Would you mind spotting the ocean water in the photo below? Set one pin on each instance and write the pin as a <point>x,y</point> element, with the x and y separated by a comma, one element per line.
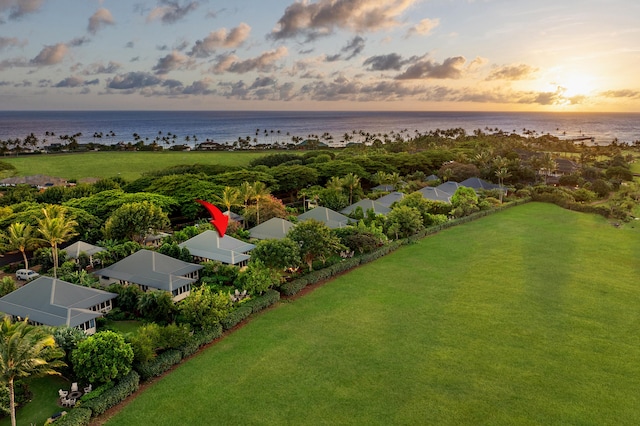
<point>228,126</point>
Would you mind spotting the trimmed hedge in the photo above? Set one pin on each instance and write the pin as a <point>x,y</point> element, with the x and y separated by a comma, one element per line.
<point>80,416</point>
<point>159,364</point>
<point>235,316</point>
<point>202,337</point>
<point>125,387</point>
<point>259,303</point>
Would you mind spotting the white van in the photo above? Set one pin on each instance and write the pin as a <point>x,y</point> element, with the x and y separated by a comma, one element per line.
<point>26,274</point>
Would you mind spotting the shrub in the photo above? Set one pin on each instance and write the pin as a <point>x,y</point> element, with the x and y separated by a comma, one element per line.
<point>159,364</point>
<point>125,387</point>
<point>80,416</point>
<point>202,337</point>
<point>235,316</point>
<point>259,303</point>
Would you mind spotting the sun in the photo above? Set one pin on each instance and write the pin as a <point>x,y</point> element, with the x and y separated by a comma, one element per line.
<point>577,85</point>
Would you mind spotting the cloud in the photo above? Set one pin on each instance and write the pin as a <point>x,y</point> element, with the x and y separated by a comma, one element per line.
<point>220,38</point>
<point>171,11</point>
<point>354,47</point>
<point>424,27</point>
<point>19,8</point>
<point>623,93</point>
<point>99,68</point>
<point>6,42</point>
<point>99,20</point>
<point>172,61</point>
<point>512,72</point>
<point>451,68</point>
<point>264,62</point>
<point>78,41</point>
<point>313,20</point>
<point>392,61</point>
<point>74,81</point>
<point>12,63</point>
<point>344,89</point>
<point>133,80</point>
<point>51,55</point>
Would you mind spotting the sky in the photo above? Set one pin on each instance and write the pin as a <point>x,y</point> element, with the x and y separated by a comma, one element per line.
<point>398,55</point>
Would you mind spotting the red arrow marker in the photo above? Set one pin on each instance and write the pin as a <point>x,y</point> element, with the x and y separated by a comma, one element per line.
<point>218,220</point>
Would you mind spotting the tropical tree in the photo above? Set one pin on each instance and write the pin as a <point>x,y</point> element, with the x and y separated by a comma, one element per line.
<point>55,228</point>
<point>230,197</point>
<point>351,182</point>
<point>203,308</point>
<point>103,357</point>
<point>7,285</point>
<point>135,220</point>
<point>502,174</point>
<point>404,221</point>
<point>277,254</point>
<point>25,351</point>
<point>246,193</point>
<point>315,241</point>
<point>260,192</point>
<point>20,236</point>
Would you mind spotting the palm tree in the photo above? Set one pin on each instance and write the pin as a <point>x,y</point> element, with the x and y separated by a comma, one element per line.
<point>260,191</point>
<point>502,174</point>
<point>230,197</point>
<point>55,228</point>
<point>246,193</point>
<point>19,236</point>
<point>25,351</point>
<point>351,181</point>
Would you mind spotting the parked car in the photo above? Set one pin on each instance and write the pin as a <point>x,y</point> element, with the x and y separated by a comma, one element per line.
<point>26,274</point>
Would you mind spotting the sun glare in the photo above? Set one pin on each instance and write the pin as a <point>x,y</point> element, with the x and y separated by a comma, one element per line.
<point>577,85</point>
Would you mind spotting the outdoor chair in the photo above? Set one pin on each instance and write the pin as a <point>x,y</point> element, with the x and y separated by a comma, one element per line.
<point>74,387</point>
<point>63,393</point>
<point>87,389</point>
<point>66,402</point>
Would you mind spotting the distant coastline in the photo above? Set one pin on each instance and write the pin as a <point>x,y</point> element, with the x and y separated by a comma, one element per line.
<point>269,126</point>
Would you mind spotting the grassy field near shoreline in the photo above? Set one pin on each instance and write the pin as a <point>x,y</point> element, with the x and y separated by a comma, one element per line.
<point>527,316</point>
<point>128,165</point>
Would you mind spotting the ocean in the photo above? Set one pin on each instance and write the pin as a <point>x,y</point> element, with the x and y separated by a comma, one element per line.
<point>281,126</point>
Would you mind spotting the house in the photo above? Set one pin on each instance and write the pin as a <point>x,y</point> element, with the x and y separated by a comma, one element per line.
<point>435,194</point>
<point>450,186</point>
<point>154,239</point>
<point>479,184</point>
<point>392,197</point>
<point>73,251</point>
<point>151,270</point>
<point>274,228</point>
<point>327,216</point>
<point>366,205</point>
<point>384,188</point>
<point>234,216</point>
<point>53,302</point>
<point>210,246</point>
<point>431,178</point>
<point>36,181</point>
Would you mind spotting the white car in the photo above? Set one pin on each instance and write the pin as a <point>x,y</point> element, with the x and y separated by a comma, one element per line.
<point>26,274</point>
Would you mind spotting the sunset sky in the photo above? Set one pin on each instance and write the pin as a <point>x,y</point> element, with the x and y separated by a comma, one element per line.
<point>466,55</point>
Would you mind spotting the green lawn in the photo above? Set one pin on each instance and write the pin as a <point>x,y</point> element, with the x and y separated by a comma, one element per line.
<point>128,165</point>
<point>45,401</point>
<point>528,316</point>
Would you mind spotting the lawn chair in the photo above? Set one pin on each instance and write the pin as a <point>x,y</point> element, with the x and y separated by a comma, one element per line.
<point>74,387</point>
<point>87,389</point>
<point>66,402</point>
<point>63,393</point>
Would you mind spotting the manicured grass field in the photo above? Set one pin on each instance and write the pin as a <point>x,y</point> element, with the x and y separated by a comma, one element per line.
<point>528,316</point>
<point>45,401</point>
<point>128,165</point>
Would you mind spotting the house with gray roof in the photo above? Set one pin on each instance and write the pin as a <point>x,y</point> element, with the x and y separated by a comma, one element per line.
<point>209,246</point>
<point>479,184</point>
<point>386,187</point>
<point>431,178</point>
<point>450,186</point>
<point>53,302</point>
<point>273,229</point>
<point>435,194</point>
<point>327,216</point>
<point>151,270</point>
<point>366,205</point>
<point>74,250</point>
<point>392,197</point>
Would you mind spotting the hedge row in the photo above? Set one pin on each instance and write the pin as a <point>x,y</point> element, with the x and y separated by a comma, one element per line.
<point>259,303</point>
<point>125,387</point>
<point>235,316</point>
<point>159,364</point>
<point>80,416</point>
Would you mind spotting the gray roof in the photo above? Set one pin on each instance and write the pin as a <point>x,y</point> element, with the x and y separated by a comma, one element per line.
<point>74,250</point>
<point>153,269</point>
<point>450,186</point>
<point>431,177</point>
<point>327,216</point>
<point>477,183</point>
<point>209,245</point>
<point>54,302</point>
<point>234,216</point>
<point>390,198</point>
<point>274,228</point>
<point>435,194</point>
<point>366,204</point>
<point>384,187</point>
